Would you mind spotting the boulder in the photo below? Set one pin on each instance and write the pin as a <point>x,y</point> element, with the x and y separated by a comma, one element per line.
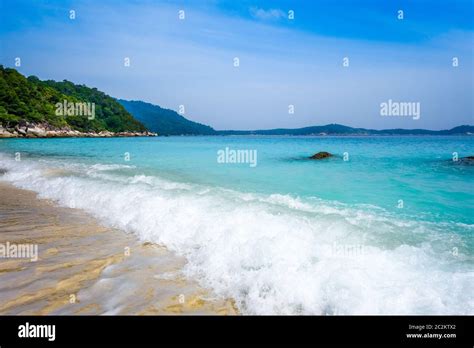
<point>36,131</point>
<point>5,133</point>
<point>321,155</point>
<point>106,134</point>
<point>53,134</point>
<point>21,130</point>
<point>468,160</point>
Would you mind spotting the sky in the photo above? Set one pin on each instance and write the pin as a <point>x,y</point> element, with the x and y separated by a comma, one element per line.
<point>333,61</point>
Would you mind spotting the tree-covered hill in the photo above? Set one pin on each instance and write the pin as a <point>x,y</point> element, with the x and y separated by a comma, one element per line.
<point>32,100</point>
<point>164,121</point>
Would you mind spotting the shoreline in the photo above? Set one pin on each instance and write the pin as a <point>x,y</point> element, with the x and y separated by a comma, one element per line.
<point>85,268</point>
<point>33,130</point>
<point>44,130</point>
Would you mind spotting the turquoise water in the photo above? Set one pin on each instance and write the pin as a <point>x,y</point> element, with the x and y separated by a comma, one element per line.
<point>288,235</point>
<point>379,171</point>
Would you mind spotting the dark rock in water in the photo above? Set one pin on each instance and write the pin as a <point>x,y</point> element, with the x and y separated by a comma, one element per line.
<point>466,160</point>
<point>321,155</point>
<point>3,171</point>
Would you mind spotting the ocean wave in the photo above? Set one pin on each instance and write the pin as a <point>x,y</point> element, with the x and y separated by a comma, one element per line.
<point>276,254</point>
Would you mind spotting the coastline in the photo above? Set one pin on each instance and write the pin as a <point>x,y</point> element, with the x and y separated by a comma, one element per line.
<point>43,130</point>
<point>85,268</point>
<point>32,130</point>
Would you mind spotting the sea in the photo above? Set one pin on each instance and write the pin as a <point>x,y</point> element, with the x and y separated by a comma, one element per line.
<point>384,226</point>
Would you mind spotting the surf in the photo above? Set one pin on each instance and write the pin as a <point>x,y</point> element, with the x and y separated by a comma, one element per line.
<point>274,254</point>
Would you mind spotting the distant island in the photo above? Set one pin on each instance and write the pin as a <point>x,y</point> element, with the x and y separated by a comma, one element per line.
<point>30,107</point>
<point>169,122</point>
<point>337,129</point>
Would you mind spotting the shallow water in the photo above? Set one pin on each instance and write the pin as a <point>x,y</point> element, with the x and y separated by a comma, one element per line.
<point>387,231</point>
<point>83,268</point>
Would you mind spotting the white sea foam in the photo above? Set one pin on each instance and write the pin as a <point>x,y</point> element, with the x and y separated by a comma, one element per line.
<point>275,254</point>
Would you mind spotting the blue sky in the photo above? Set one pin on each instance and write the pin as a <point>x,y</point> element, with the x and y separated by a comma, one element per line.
<point>282,61</point>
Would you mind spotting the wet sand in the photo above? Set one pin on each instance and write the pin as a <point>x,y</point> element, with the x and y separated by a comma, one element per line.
<point>86,268</point>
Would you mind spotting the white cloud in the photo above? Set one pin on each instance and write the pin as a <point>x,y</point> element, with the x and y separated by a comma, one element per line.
<point>269,14</point>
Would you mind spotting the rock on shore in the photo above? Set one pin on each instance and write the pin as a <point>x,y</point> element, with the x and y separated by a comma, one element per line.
<point>42,130</point>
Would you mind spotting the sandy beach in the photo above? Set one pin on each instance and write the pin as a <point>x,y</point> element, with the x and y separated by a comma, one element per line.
<point>85,268</point>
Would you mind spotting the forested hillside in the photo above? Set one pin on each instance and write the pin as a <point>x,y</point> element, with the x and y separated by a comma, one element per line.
<point>164,121</point>
<point>32,100</point>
